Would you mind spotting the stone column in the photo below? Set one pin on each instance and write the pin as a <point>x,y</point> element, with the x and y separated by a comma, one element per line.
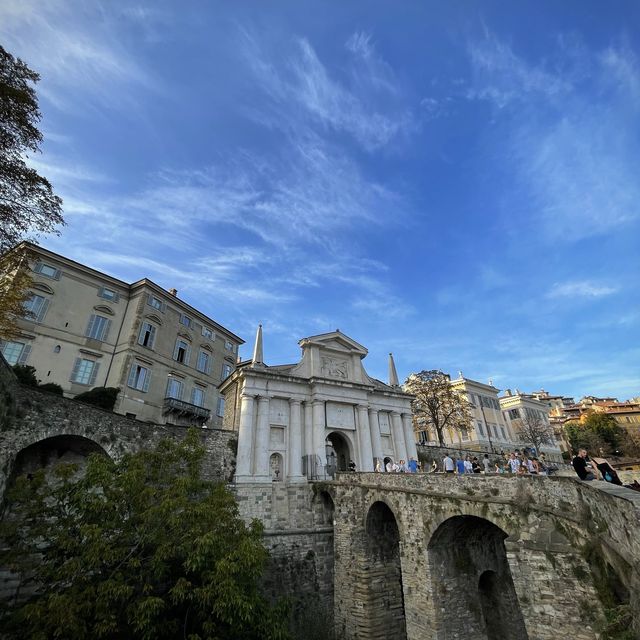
<point>399,447</point>
<point>262,441</point>
<point>409,436</point>
<point>376,440</point>
<point>364,438</point>
<point>308,429</point>
<point>244,456</point>
<point>294,466</point>
<point>318,435</point>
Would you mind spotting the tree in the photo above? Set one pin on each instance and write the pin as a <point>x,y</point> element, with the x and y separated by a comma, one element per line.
<point>595,432</point>
<point>143,548</point>
<point>27,201</point>
<point>533,430</point>
<point>436,405</point>
<point>103,397</point>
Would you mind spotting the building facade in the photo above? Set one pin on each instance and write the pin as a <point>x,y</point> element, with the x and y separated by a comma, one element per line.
<point>305,421</point>
<point>523,410</point>
<point>87,329</point>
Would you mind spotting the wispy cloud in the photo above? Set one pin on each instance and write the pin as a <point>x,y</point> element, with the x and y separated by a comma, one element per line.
<point>571,131</point>
<point>580,289</point>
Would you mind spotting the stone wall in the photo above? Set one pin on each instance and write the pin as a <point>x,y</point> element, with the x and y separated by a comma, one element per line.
<point>41,415</point>
<point>548,525</point>
<point>298,521</point>
<point>8,384</point>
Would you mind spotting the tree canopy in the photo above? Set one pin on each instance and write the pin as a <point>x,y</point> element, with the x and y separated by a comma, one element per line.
<point>436,406</point>
<point>142,548</point>
<point>595,432</point>
<point>533,430</point>
<point>27,201</point>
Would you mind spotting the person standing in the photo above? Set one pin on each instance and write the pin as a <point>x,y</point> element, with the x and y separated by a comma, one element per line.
<point>581,466</point>
<point>514,463</point>
<point>460,466</point>
<point>448,464</point>
<point>485,463</point>
<point>413,465</point>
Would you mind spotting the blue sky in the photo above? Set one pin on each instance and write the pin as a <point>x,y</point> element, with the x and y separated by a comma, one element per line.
<point>455,182</point>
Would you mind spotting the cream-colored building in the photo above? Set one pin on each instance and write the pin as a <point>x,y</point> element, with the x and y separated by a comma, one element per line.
<point>305,421</point>
<point>88,329</point>
<point>518,407</point>
<point>488,430</point>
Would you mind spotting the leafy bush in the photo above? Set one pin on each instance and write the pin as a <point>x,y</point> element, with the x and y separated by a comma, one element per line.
<point>51,387</point>
<point>26,374</point>
<point>103,397</point>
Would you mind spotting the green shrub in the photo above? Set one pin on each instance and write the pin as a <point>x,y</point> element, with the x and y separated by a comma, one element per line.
<point>26,374</point>
<point>51,387</point>
<point>103,397</point>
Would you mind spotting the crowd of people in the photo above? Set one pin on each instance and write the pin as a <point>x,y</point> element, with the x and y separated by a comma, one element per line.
<point>516,463</point>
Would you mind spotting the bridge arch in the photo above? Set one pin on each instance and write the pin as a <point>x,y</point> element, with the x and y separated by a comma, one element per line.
<point>471,582</point>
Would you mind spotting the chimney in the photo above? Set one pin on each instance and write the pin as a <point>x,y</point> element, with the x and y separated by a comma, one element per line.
<point>173,292</point>
<point>507,392</point>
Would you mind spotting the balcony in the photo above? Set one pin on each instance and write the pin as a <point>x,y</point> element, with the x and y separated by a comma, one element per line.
<point>185,410</point>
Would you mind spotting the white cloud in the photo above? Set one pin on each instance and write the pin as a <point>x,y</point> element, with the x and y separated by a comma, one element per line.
<point>580,289</point>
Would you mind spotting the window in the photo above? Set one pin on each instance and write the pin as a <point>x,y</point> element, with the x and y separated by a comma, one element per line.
<point>204,362</point>
<point>226,371</point>
<point>147,335</point>
<point>47,270</point>
<point>108,294</point>
<point>186,320</point>
<point>15,352</point>
<point>156,303</point>
<point>139,377</point>
<point>220,407</point>
<point>208,333</point>
<point>37,307</point>
<point>480,429</point>
<point>465,436</point>
<point>514,414</point>
<point>181,352</point>
<point>174,389</point>
<point>85,371</point>
<point>504,435</point>
<point>98,327</point>
<point>228,345</point>
<point>197,396</point>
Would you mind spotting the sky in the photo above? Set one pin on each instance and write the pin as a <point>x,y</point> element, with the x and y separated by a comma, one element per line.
<point>454,182</point>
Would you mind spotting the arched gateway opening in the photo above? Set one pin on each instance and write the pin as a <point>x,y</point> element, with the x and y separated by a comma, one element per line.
<point>338,452</point>
<point>384,607</point>
<point>471,581</point>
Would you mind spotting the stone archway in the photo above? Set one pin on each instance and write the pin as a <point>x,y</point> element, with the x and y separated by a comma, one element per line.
<point>384,605</point>
<point>49,452</point>
<point>471,582</point>
<point>342,449</point>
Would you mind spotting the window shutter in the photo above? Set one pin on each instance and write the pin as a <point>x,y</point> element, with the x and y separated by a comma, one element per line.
<point>193,395</point>
<point>132,375</point>
<point>152,336</point>
<point>141,334</point>
<point>26,350</point>
<point>208,367</point>
<point>163,307</point>
<point>147,380</point>
<point>94,373</point>
<point>43,310</point>
<point>187,356</point>
<point>92,319</point>
<point>57,274</point>
<point>105,333</point>
<point>76,368</point>
<point>175,350</point>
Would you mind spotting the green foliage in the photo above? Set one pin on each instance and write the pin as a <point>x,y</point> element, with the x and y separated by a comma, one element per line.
<point>26,374</point>
<point>595,431</point>
<point>103,397</point>
<point>52,387</point>
<point>27,201</point>
<point>139,549</point>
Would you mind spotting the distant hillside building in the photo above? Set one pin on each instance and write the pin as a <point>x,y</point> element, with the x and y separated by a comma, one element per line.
<point>89,329</point>
<point>307,420</point>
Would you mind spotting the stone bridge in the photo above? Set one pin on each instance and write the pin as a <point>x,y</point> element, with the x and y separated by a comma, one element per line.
<point>443,557</point>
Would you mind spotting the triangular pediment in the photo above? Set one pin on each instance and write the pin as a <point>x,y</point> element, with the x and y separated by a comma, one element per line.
<point>335,341</point>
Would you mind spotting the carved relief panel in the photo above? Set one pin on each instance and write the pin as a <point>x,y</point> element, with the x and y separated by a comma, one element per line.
<point>334,367</point>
